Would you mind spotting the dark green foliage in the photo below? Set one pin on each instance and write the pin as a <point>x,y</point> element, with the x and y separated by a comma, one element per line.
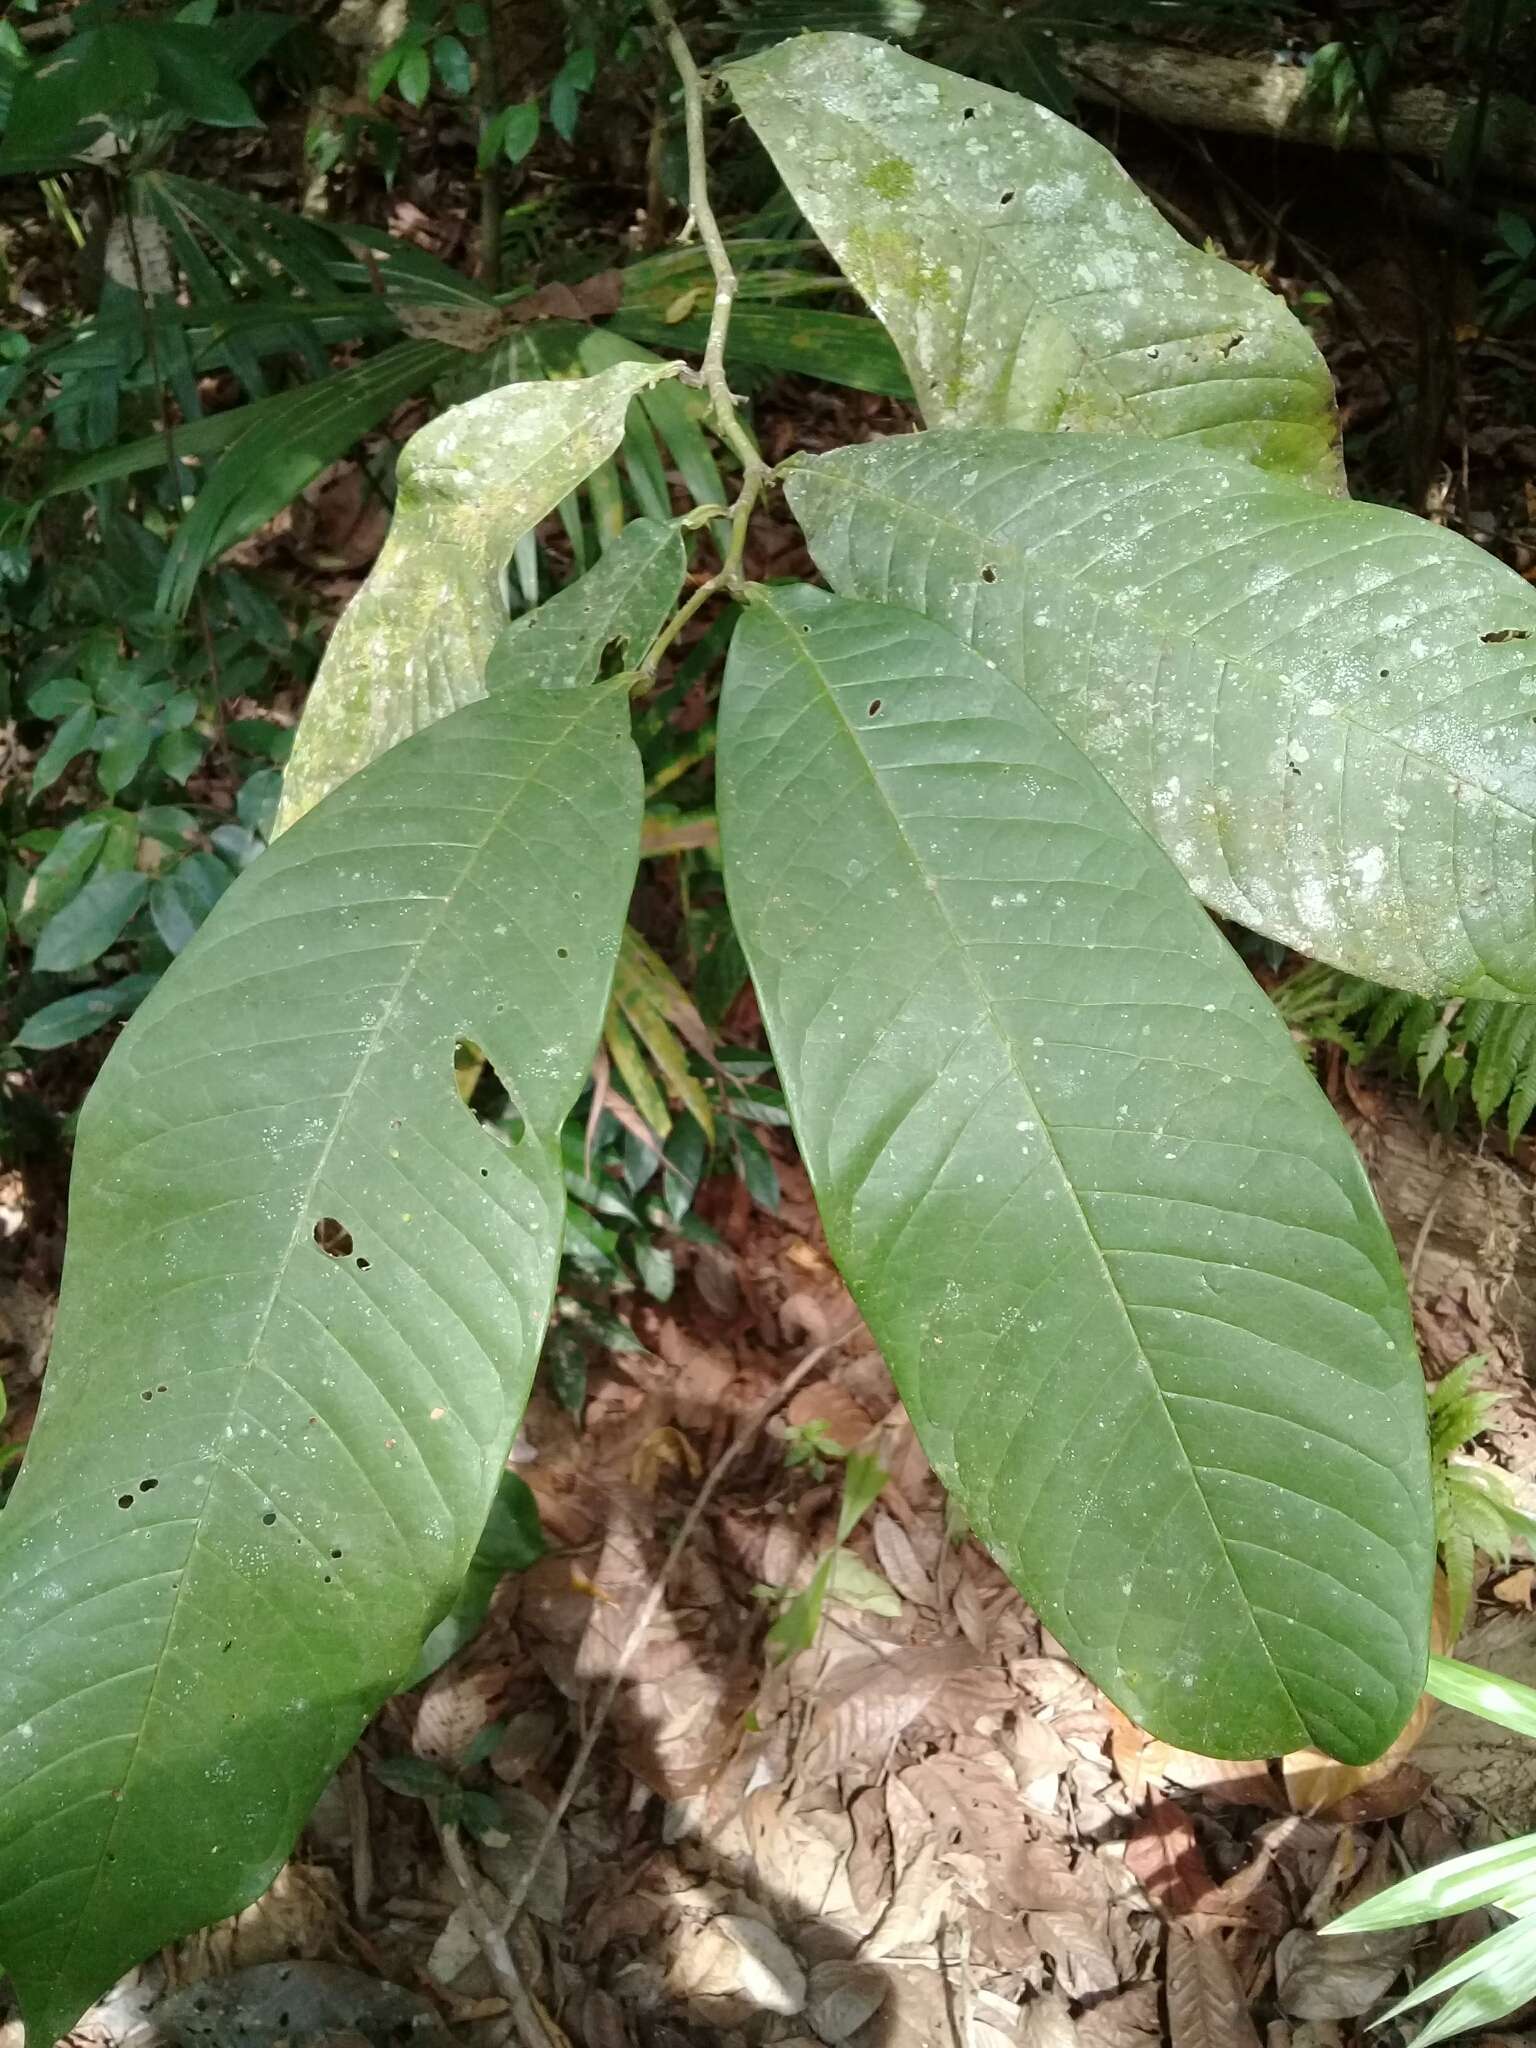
<point>146,799</point>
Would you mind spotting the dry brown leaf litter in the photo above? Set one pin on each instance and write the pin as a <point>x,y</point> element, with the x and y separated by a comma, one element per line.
<point>928,1828</point>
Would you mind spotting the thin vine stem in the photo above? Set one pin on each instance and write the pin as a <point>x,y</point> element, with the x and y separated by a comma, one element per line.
<point>710,375</point>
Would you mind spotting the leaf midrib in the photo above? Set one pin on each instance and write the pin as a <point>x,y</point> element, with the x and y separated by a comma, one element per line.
<point>217,1460</point>
<point>801,652</point>
<point>1154,622</point>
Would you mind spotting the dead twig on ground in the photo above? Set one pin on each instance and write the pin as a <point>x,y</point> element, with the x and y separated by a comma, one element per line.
<point>526,2021</point>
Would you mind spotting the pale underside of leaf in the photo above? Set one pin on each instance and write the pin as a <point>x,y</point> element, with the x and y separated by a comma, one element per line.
<point>1322,709</point>
<point>1119,1253</point>
<point>263,1461</point>
<point>413,644</point>
<point>1025,280</point>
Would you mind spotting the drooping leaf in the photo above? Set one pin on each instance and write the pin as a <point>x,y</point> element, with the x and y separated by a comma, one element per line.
<point>1322,709</point>
<point>1120,1255</point>
<point>303,1300</point>
<point>413,644</point>
<point>63,108</point>
<point>1025,280</point>
<point>104,842</point>
<point>561,348</point>
<point>123,73</point>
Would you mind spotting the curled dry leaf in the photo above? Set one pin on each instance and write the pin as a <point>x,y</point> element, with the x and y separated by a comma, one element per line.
<point>801,1859</point>
<point>1130,2021</point>
<point>701,1377</point>
<point>900,1562</point>
<point>454,1709</point>
<point>1039,1756</point>
<point>840,1416</point>
<point>919,1897</point>
<point>301,1913</point>
<point>593,298</point>
<point>733,1968</point>
<point>528,1735</point>
<point>457,1949</point>
<point>869,1861</point>
<point>664,1451</point>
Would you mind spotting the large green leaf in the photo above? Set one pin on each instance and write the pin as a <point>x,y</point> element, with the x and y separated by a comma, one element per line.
<point>414,642</point>
<point>303,1300</point>
<point>1025,280</point>
<point>1118,1251</point>
<point>1323,710</point>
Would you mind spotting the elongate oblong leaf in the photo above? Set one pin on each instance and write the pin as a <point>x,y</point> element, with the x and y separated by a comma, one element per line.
<point>1119,1253</point>
<point>303,1300</point>
<point>1025,280</point>
<point>413,644</point>
<point>1322,709</point>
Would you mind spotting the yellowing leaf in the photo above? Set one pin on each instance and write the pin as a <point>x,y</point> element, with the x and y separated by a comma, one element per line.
<point>414,643</point>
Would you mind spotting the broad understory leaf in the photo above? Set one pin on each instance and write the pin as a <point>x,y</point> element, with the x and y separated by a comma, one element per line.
<point>1025,280</point>
<point>413,644</point>
<point>304,1297</point>
<point>1322,709</point>
<point>1119,1253</point>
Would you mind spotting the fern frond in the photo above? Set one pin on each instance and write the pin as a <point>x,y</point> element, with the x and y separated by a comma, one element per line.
<point>1502,1053</point>
<point>1478,1050</point>
<point>1457,1409</point>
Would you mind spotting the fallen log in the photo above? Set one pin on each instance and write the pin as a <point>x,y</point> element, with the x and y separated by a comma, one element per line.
<point>1256,96</point>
